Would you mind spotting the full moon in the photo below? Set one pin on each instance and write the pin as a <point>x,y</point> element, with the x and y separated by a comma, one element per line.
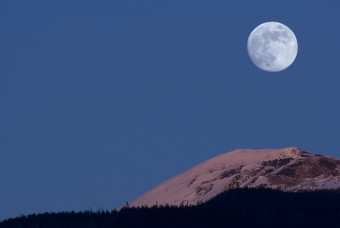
<point>272,46</point>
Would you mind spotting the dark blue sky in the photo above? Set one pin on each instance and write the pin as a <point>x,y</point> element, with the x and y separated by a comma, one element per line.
<point>102,100</point>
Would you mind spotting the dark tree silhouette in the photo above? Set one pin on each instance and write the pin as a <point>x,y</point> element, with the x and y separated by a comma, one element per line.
<point>234,208</point>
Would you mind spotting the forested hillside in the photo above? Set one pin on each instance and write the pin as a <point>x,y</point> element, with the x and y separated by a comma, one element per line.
<point>234,208</point>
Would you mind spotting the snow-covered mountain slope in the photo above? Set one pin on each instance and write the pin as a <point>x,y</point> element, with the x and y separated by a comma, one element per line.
<point>289,169</point>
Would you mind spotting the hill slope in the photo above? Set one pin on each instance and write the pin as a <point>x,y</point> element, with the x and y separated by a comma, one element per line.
<point>289,169</point>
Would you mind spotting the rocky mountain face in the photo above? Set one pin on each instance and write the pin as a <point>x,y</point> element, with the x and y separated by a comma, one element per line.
<point>288,169</point>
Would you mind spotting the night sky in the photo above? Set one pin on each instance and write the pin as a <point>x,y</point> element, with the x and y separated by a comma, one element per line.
<point>100,101</point>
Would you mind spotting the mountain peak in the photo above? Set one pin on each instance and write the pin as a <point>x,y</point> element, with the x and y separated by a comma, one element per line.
<point>289,169</point>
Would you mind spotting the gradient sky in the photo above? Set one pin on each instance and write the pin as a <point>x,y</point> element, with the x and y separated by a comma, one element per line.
<point>102,100</point>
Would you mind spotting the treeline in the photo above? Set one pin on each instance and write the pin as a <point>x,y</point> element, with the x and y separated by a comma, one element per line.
<point>234,208</point>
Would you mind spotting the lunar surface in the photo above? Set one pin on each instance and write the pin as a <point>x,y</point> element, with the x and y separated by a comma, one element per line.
<point>272,46</point>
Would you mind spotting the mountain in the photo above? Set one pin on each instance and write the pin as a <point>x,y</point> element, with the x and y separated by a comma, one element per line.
<point>288,169</point>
